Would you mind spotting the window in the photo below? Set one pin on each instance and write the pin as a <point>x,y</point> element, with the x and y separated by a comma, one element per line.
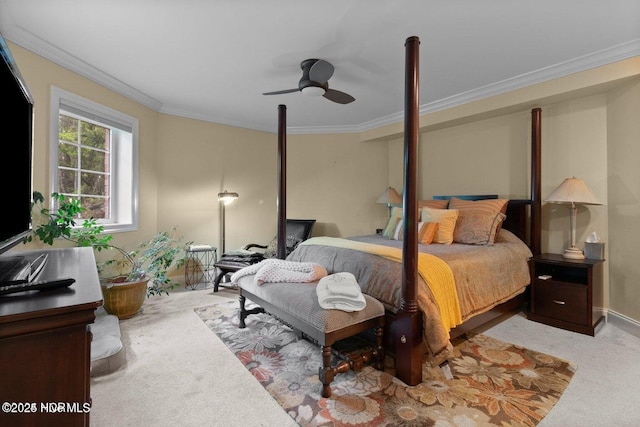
<point>94,159</point>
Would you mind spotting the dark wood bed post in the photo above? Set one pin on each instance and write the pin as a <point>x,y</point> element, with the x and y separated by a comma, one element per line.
<point>408,333</point>
<point>282,182</point>
<point>536,174</point>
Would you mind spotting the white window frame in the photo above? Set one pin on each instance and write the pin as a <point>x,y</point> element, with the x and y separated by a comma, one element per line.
<point>124,205</point>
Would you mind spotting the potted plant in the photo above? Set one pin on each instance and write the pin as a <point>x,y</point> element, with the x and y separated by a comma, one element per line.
<point>129,276</point>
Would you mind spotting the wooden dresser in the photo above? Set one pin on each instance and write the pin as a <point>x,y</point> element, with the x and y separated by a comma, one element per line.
<point>45,345</point>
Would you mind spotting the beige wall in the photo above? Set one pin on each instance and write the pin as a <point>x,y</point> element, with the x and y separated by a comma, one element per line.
<point>574,143</point>
<point>197,159</point>
<point>623,182</point>
<point>40,75</point>
<point>337,180</point>
<point>590,130</point>
<point>483,157</point>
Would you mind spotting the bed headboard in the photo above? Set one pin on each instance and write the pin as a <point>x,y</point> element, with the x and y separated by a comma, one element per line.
<point>517,220</point>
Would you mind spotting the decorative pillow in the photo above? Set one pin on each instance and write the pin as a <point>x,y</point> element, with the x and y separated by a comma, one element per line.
<point>396,215</point>
<point>477,229</point>
<point>485,206</point>
<point>433,204</point>
<point>398,231</point>
<point>426,232</point>
<point>429,234</point>
<point>446,219</point>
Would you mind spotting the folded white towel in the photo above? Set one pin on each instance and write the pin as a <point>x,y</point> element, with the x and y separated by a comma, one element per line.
<point>340,291</point>
<point>341,285</point>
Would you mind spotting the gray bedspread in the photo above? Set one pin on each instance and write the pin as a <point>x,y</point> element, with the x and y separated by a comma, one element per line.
<point>485,276</point>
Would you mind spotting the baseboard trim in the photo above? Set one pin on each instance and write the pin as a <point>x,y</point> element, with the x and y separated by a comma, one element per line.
<point>623,322</point>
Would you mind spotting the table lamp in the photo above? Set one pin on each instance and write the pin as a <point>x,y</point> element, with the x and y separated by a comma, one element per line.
<point>573,191</point>
<point>389,197</point>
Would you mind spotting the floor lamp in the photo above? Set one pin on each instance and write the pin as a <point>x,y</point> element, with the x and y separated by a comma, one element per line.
<point>226,198</point>
<point>573,191</point>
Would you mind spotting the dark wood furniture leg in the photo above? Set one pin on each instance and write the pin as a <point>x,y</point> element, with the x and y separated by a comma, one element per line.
<point>219,278</point>
<point>244,312</point>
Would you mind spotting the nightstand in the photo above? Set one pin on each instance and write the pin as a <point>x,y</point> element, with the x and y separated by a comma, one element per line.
<point>566,293</point>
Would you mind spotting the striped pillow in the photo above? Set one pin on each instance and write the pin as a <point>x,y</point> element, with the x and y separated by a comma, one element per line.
<point>433,204</point>
<point>397,213</point>
<point>426,232</point>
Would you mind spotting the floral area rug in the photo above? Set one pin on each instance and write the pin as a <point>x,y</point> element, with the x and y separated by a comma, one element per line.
<point>494,383</point>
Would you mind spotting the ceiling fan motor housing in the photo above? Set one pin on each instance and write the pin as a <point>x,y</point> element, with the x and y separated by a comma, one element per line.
<point>306,84</point>
<point>314,82</point>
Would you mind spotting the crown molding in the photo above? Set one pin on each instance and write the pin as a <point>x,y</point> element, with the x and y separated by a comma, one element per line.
<point>562,69</point>
<point>43,48</point>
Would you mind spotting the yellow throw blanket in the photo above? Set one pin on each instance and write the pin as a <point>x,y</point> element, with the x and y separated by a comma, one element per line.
<point>435,272</point>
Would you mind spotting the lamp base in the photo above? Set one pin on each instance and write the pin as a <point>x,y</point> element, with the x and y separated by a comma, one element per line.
<point>573,253</point>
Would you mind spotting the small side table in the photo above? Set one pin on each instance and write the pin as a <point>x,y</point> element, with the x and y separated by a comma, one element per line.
<point>567,293</point>
<point>199,267</point>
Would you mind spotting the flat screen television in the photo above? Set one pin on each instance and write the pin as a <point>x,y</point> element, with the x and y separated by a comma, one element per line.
<point>16,122</point>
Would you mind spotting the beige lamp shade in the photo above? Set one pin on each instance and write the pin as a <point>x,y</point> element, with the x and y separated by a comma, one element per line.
<point>389,197</point>
<point>227,197</point>
<point>573,190</point>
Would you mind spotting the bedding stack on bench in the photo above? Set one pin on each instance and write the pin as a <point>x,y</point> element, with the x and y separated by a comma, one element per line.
<point>298,305</point>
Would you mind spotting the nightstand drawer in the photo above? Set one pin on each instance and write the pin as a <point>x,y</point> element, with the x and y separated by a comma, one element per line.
<point>562,301</point>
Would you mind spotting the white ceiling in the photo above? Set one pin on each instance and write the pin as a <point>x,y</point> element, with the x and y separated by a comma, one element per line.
<point>212,59</point>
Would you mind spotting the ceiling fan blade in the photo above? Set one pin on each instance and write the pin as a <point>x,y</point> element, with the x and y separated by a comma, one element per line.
<point>339,97</point>
<point>279,92</point>
<point>321,71</point>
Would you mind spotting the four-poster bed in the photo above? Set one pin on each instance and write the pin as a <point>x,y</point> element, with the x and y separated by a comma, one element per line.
<point>406,322</point>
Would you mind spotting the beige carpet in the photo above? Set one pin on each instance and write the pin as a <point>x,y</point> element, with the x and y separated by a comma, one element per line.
<point>178,373</point>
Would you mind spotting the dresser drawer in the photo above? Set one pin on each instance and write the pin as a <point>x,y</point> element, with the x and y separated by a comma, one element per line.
<point>562,301</point>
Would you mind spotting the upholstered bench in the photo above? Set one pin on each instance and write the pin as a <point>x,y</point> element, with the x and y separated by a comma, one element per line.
<point>296,304</point>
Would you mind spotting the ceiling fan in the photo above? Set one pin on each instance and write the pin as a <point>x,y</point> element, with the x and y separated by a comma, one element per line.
<point>314,82</point>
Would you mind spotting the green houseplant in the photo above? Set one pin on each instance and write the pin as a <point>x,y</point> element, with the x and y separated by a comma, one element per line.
<point>134,274</point>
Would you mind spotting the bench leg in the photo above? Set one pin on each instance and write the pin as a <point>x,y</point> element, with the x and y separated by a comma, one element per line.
<point>327,372</point>
<point>379,350</point>
<point>219,277</point>
<point>243,312</point>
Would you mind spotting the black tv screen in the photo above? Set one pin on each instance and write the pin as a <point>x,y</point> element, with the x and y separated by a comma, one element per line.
<point>16,122</point>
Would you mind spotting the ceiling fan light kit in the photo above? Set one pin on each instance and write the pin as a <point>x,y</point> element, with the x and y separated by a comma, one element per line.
<point>313,91</point>
<point>314,82</point>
